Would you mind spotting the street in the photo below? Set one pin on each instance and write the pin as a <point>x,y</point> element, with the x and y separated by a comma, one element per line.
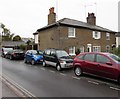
<point>47,82</point>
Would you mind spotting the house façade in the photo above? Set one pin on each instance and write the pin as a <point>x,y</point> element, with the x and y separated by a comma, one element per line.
<point>71,35</point>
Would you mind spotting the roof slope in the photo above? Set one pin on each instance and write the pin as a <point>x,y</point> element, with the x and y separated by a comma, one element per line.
<point>76,23</point>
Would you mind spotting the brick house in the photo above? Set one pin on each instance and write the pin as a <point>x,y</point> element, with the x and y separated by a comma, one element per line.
<point>71,35</point>
<point>118,39</point>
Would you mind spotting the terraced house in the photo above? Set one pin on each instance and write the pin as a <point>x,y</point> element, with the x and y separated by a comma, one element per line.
<point>71,35</point>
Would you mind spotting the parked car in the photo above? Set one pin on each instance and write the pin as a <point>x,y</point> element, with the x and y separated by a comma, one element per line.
<point>33,57</point>
<point>57,58</point>
<point>105,65</point>
<point>15,54</point>
<point>5,50</point>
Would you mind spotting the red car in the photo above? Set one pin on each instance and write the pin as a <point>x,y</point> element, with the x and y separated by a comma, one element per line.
<point>105,65</point>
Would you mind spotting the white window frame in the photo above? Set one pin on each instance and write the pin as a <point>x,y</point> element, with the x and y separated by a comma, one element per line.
<point>71,32</point>
<point>98,35</point>
<point>107,36</point>
<point>82,49</point>
<point>72,50</point>
<point>96,48</point>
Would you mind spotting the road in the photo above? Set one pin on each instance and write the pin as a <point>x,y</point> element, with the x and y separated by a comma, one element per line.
<point>47,82</point>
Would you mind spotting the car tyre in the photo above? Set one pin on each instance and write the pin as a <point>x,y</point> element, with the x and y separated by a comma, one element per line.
<point>58,67</point>
<point>33,62</point>
<point>78,71</point>
<point>44,64</point>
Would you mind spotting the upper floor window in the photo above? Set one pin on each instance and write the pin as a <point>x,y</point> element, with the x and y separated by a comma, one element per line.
<point>96,35</point>
<point>71,32</point>
<point>107,36</point>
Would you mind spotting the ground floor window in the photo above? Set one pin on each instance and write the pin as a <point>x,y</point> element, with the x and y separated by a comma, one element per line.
<point>96,48</point>
<point>72,50</point>
<point>82,49</point>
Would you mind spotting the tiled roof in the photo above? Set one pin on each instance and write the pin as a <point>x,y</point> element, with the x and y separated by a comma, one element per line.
<point>76,23</point>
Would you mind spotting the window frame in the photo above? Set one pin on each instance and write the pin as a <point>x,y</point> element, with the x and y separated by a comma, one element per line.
<point>97,47</point>
<point>71,32</point>
<point>98,34</point>
<point>72,52</point>
<point>107,36</point>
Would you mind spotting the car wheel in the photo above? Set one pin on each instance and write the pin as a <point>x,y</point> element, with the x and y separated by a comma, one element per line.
<point>44,64</point>
<point>33,62</point>
<point>58,67</point>
<point>11,57</point>
<point>78,71</point>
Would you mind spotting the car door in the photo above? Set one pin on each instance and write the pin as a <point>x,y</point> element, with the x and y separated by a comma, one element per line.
<point>105,66</point>
<point>28,56</point>
<point>89,64</point>
<point>53,57</point>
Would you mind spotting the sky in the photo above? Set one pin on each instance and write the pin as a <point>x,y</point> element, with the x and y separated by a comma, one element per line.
<point>24,17</point>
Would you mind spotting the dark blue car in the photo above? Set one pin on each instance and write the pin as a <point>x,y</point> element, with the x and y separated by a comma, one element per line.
<point>33,56</point>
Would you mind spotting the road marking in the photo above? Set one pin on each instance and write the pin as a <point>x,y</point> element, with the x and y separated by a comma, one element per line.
<point>96,83</point>
<point>52,71</point>
<point>75,77</point>
<point>114,88</point>
<point>63,74</point>
<point>42,68</point>
<point>10,81</point>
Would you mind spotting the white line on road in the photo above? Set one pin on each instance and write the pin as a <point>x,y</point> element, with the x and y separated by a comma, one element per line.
<point>115,88</point>
<point>75,77</point>
<point>62,74</point>
<point>52,71</point>
<point>42,68</point>
<point>96,83</point>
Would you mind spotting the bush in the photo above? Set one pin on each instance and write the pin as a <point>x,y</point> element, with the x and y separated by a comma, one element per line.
<point>23,47</point>
<point>77,51</point>
<point>117,51</point>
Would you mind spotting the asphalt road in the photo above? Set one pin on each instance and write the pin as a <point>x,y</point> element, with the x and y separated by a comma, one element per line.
<point>47,82</point>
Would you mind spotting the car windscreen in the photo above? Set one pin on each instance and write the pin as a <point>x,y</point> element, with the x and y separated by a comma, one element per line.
<point>35,52</point>
<point>62,54</point>
<point>115,57</point>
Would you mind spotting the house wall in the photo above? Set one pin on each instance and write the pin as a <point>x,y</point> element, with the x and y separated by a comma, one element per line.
<point>57,37</point>
<point>48,39</point>
<point>84,37</point>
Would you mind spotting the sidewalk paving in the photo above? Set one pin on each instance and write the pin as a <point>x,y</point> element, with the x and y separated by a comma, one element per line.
<point>6,91</point>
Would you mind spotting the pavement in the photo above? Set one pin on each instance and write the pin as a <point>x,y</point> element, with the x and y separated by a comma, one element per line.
<point>6,91</point>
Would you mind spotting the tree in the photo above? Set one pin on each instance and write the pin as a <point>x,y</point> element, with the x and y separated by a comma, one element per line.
<point>17,38</point>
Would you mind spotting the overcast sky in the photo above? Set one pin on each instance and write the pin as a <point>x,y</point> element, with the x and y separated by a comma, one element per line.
<point>24,17</point>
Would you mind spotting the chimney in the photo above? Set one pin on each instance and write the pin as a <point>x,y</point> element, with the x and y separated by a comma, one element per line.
<point>51,16</point>
<point>91,19</point>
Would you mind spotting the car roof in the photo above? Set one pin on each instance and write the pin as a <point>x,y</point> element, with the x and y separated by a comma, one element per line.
<point>105,53</point>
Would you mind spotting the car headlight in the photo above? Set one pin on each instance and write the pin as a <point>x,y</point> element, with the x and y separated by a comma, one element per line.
<point>35,56</point>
